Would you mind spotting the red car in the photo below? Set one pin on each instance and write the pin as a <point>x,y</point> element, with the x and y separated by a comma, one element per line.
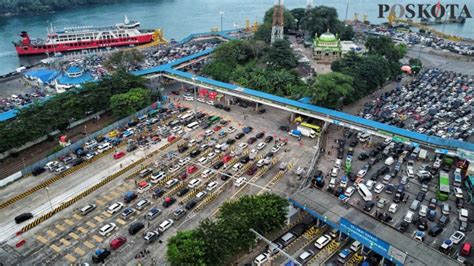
<point>217,128</point>
<point>466,249</point>
<point>117,242</point>
<point>119,155</point>
<point>171,138</point>
<point>183,176</point>
<point>226,158</point>
<point>191,169</point>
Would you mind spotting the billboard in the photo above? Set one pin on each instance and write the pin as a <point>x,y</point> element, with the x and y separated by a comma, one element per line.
<point>372,241</point>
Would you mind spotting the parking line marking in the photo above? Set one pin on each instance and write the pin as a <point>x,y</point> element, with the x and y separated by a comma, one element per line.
<point>55,248</point>
<point>120,221</point>
<point>88,244</point>
<point>64,241</point>
<point>79,251</point>
<point>106,214</point>
<point>82,229</point>
<point>114,194</point>
<point>51,233</point>
<point>60,227</point>
<point>100,202</point>
<point>42,239</point>
<point>70,258</point>
<point>74,235</point>
<point>91,224</point>
<point>98,238</point>
<point>107,197</point>
<point>69,222</point>
<point>77,216</point>
<point>98,219</point>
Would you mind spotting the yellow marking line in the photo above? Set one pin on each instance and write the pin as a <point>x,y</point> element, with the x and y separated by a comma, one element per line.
<point>98,219</point>
<point>64,241</point>
<point>74,235</point>
<point>89,244</point>
<point>107,197</point>
<point>69,222</point>
<point>70,258</point>
<point>42,239</point>
<point>51,233</point>
<point>91,224</point>
<point>114,194</point>
<point>98,238</point>
<point>77,216</point>
<point>100,202</point>
<point>79,251</point>
<point>83,230</point>
<point>60,227</point>
<point>55,248</point>
<point>120,221</point>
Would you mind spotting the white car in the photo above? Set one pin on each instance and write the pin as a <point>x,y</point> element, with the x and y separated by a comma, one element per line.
<point>201,100</point>
<point>211,155</point>
<point>261,259</point>
<point>184,161</point>
<point>243,146</point>
<point>209,132</point>
<point>203,160</point>
<point>114,208</point>
<point>370,184</point>
<point>106,229</point>
<point>349,191</point>
<point>334,172</point>
<point>192,142</point>
<point>201,195</point>
<point>457,237</point>
<point>174,168</point>
<point>231,129</point>
<point>157,177</point>
<point>276,149</point>
<point>194,183</point>
<point>210,102</point>
<point>211,186</point>
<point>241,180</point>
<point>458,192</point>
<point>261,145</point>
<point>393,208</point>
<point>165,225</point>
<point>176,129</point>
<point>379,188</point>
<point>206,173</point>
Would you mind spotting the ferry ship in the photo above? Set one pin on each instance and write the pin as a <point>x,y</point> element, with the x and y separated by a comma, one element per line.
<point>83,38</point>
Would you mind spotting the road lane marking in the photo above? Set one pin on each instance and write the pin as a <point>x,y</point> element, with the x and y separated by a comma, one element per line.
<point>60,227</point>
<point>88,244</point>
<point>70,258</point>
<point>42,239</point>
<point>79,251</point>
<point>91,224</point>
<point>82,229</point>
<point>107,197</point>
<point>77,216</point>
<point>69,222</point>
<point>98,219</point>
<point>51,233</point>
<point>99,202</point>
<point>120,221</point>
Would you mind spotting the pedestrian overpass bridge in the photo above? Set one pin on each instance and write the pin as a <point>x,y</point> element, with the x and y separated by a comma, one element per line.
<point>458,148</point>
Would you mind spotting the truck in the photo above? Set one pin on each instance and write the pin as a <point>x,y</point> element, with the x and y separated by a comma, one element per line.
<point>309,125</point>
<point>307,132</point>
<point>295,133</point>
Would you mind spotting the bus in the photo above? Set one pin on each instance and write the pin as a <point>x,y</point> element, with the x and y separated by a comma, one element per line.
<point>214,119</point>
<point>186,117</point>
<point>308,125</point>
<point>192,126</point>
<point>364,192</point>
<point>443,189</point>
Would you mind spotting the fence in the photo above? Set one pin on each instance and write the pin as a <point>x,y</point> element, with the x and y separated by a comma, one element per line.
<point>81,142</point>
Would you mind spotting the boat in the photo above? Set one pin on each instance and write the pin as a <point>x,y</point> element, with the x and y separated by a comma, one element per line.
<point>84,38</point>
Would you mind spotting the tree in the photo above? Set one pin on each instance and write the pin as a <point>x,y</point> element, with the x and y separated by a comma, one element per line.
<point>289,22</point>
<point>384,46</point>
<point>186,247</point>
<point>347,32</point>
<point>321,19</point>
<point>330,90</point>
<point>298,14</point>
<point>264,32</point>
<point>280,55</point>
<point>128,103</point>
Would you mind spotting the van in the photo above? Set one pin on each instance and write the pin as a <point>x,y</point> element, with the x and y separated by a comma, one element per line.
<point>135,228</point>
<point>87,209</point>
<point>355,246</point>
<point>106,229</point>
<point>287,238</point>
<point>463,215</point>
<point>103,147</point>
<point>306,255</point>
<point>165,225</point>
<point>415,205</point>
<point>322,241</point>
<point>143,173</point>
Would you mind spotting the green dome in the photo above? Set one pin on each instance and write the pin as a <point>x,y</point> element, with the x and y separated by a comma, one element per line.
<point>327,37</point>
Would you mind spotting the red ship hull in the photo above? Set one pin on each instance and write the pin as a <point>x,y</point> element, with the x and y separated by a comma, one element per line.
<point>33,49</point>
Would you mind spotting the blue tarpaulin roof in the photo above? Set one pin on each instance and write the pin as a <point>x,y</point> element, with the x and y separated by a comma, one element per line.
<point>8,115</point>
<point>66,80</point>
<point>43,74</point>
<point>74,69</point>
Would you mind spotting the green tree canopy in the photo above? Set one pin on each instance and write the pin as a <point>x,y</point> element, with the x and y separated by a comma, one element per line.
<point>384,46</point>
<point>130,102</point>
<point>289,21</point>
<point>331,90</point>
<point>264,32</point>
<point>186,247</point>
<point>280,55</point>
<point>320,19</point>
<point>298,14</point>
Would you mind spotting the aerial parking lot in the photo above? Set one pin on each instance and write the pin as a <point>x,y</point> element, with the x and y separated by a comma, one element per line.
<point>191,163</point>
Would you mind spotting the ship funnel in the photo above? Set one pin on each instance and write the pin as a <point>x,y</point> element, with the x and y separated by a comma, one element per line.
<point>25,39</point>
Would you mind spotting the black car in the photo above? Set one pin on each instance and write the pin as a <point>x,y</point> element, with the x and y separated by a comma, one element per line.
<point>245,159</point>
<point>182,148</point>
<point>205,125</point>
<point>459,202</point>
<point>433,203</point>
<point>374,177</point>
<point>363,156</point>
<point>195,153</point>
<point>99,256</point>
<point>38,171</point>
<point>227,108</point>
<point>260,135</point>
<point>223,122</point>
<point>239,135</point>
<point>251,141</point>
<point>23,217</point>
<point>435,231</point>
<point>218,165</point>
<point>182,192</point>
<point>369,205</point>
<point>226,176</point>
<point>340,153</point>
<point>268,139</point>
<point>261,111</point>
<point>230,141</point>
<point>285,128</point>
<point>135,228</point>
<point>190,204</point>
<point>420,196</point>
<point>383,171</point>
<point>373,153</point>
<point>353,143</point>
<point>422,224</point>
<point>218,106</point>
<point>404,226</point>
<point>338,191</point>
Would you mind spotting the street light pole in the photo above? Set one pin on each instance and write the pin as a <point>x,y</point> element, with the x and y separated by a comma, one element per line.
<point>49,198</point>
<point>195,97</point>
<point>222,19</point>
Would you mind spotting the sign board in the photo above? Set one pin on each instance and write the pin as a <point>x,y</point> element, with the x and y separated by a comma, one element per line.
<point>465,154</point>
<point>369,240</point>
<point>414,144</point>
<point>400,139</point>
<point>385,133</point>
<point>441,151</point>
